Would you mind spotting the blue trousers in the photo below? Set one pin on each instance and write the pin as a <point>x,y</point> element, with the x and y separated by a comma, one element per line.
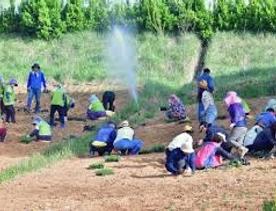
<point>200,112</point>
<point>177,160</point>
<point>210,115</point>
<point>133,147</point>
<point>34,93</point>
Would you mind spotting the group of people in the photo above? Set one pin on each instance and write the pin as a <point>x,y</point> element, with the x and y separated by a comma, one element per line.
<point>60,102</point>
<point>218,144</point>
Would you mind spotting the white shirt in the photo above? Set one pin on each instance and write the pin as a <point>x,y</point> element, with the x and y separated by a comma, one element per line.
<point>124,133</point>
<point>180,141</point>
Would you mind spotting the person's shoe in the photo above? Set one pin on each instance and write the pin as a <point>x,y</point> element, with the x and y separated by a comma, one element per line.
<point>242,151</point>
<point>62,126</point>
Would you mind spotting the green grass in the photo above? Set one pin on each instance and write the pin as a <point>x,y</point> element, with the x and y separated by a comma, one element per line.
<point>55,152</point>
<point>104,172</point>
<point>112,158</point>
<point>96,166</point>
<point>156,148</point>
<point>269,205</point>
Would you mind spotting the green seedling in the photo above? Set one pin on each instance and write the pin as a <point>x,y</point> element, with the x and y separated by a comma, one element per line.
<point>26,139</point>
<point>235,163</point>
<point>96,166</point>
<point>269,206</point>
<point>112,158</point>
<point>104,172</point>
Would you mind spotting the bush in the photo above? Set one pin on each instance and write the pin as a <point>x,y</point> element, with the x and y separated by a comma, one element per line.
<point>104,172</point>
<point>269,206</point>
<point>96,166</point>
<point>112,158</point>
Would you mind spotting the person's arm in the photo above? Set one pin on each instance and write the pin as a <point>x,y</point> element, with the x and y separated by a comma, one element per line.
<point>29,81</point>
<point>43,80</point>
<point>34,132</point>
<point>224,153</point>
<point>211,84</point>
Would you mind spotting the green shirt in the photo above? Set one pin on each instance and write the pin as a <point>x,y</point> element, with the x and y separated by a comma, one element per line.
<point>96,106</point>
<point>9,97</point>
<point>58,97</point>
<point>44,129</point>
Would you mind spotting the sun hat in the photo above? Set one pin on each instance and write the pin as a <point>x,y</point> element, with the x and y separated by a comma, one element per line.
<point>124,124</point>
<point>13,82</point>
<point>223,136</point>
<point>92,98</point>
<point>188,128</point>
<point>232,98</point>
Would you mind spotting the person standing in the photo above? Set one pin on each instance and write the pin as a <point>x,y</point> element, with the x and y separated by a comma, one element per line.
<point>9,100</point>
<point>205,76</point>
<point>57,105</point>
<point>36,80</point>
<point>2,87</point>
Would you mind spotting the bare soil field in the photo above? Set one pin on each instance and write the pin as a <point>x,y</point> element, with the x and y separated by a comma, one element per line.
<point>139,183</point>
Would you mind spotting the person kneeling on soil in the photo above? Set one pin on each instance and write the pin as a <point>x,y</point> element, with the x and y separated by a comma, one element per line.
<point>96,109</point>
<point>125,141</point>
<point>42,130</point>
<point>265,141</point>
<point>103,142</point>
<point>3,130</point>
<point>180,155</point>
<point>176,110</point>
<point>108,100</point>
<point>9,100</point>
<point>57,105</point>
<point>69,104</point>
<point>210,154</point>
<point>264,120</point>
<point>238,122</point>
<point>209,110</point>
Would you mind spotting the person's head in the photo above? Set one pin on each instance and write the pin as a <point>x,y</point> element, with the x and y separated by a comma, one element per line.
<point>271,110</point>
<point>207,70</point>
<point>124,124</point>
<point>36,120</point>
<point>36,67</point>
<point>13,82</point>
<point>93,98</point>
<point>219,138</point>
<point>232,98</point>
<point>188,129</point>
<point>203,84</point>
<point>173,98</point>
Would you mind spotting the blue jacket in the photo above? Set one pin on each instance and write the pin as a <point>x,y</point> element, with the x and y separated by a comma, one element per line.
<point>266,119</point>
<point>106,134</point>
<point>36,80</point>
<point>210,81</point>
<point>213,130</point>
<point>237,115</point>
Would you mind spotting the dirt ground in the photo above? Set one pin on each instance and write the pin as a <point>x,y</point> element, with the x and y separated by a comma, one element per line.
<point>139,183</point>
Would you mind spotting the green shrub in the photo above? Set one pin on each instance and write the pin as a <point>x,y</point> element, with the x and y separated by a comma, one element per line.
<point>104,172</point>
<point>96,166</point>
<point>269,206</point>
<point>26,139</point>
<point>112,158</point>
<point>156,148</point>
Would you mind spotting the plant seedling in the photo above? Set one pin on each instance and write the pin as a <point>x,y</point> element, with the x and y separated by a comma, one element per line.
<point>157,148</point>
<point>104,172</point>
<point>112,158</point>
<point>96,166</point>
<point>26,139</point>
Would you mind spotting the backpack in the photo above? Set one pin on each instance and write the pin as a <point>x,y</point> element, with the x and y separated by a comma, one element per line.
<point>206,156</point>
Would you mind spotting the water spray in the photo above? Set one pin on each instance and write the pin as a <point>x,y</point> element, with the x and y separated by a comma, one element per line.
<point>122,60</point>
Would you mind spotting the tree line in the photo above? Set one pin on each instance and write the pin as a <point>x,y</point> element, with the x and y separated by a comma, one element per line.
<point>48,19</point>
